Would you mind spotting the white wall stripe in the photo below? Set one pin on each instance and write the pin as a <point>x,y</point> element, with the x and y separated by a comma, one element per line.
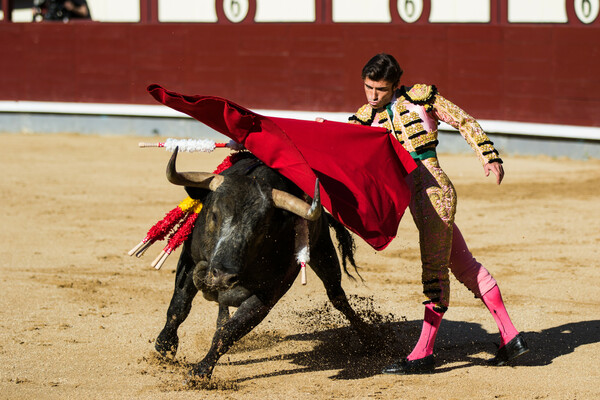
<point>134,110</point>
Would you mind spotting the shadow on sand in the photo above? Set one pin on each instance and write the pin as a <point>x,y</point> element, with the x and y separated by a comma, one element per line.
<point>459,343</point>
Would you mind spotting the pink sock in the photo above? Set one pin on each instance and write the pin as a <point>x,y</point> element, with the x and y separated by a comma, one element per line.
<point>493,301</point>
<point>431,323</point>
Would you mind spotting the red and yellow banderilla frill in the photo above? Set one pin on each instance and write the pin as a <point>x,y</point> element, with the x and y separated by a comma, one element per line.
<point>178,222</point>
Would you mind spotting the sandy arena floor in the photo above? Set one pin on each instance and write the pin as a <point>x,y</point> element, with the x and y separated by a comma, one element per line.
<point>78,317</point>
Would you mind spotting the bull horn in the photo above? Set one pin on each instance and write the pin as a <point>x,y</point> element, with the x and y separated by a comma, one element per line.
<point>291,203</point>
<point>204,180</point>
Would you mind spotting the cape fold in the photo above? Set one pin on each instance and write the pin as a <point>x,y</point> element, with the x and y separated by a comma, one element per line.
<point>361,169</point>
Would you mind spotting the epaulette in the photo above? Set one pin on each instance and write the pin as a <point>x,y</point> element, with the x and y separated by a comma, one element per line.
<point>420,93</point>
<point>364,115</point>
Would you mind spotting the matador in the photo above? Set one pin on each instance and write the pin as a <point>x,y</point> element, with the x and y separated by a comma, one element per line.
<point>412,115</point>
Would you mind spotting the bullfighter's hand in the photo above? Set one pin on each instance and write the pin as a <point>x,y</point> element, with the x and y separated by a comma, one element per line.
<point>496,168</point>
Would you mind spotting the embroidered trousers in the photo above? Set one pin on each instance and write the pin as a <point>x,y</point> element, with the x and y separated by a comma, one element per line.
<point>433,207</point>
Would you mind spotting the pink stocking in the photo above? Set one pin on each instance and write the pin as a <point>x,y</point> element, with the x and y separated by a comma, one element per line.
<point>431,323</point>
<point>493,301</point>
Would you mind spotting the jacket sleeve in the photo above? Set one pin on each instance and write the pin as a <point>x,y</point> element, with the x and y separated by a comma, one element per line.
<point>468,127</point>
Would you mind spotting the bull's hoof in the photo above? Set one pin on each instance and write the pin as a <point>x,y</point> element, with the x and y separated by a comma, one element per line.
<point>201,371</point>
<point>166,345</point>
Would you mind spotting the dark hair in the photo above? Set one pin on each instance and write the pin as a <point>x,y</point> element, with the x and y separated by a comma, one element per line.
<point>382,67</point>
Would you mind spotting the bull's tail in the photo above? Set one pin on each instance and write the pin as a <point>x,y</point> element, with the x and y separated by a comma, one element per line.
<point>346,245</point>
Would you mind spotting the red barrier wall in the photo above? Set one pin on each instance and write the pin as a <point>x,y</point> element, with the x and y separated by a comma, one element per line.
<point>532,73</point>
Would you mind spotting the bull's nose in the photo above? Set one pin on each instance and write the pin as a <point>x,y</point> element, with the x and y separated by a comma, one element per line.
<point>221,279</point>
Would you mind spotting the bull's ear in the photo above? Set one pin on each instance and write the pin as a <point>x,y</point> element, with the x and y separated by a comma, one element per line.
<point>197,193</point>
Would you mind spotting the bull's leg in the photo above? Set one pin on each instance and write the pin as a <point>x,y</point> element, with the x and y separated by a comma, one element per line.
<point>180,306</point>
<point>249,314</point>
<point>223,316</point>
<point>324,261</point>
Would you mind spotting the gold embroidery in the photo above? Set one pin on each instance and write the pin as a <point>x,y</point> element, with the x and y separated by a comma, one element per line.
<point>384,120</point>
<point>420,92</point>
<point>468,127</point>
<point>410,117</point>
<point>406,127</point>
<point>364,113</point>
<point>423,140</point>
<point>414,129</point>
<point>434,202</point>
<point>381,116</point>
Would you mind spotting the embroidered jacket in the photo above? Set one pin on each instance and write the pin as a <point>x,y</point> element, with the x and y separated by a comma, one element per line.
<point>416,112</point>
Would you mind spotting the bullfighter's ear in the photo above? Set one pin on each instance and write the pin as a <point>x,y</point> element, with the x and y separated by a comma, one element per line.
<point>197,193</point>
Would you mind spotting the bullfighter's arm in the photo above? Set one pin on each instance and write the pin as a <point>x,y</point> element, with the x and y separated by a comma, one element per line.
<point>471,131</point>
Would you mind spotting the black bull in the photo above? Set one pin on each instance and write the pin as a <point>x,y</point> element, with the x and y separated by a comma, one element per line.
<point>241,253</point>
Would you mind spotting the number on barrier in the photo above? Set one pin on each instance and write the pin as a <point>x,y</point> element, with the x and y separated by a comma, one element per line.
<point>235,10</point>
<point>587,10</point>
<point>410,10</point>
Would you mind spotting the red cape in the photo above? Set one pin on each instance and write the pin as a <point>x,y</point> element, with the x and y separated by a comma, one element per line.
<point>361,169</point>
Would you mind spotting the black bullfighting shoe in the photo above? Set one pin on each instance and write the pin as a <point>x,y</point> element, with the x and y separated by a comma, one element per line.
<point>423,365</point>
<point>511,350</point>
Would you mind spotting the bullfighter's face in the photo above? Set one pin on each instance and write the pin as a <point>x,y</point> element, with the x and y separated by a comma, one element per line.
<point>379,93</point>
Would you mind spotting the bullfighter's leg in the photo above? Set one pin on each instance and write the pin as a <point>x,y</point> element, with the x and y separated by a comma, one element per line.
<point>477,279</point>
<point>180,306</point>
<point>433,207</point>
<point>324,261</point>
<point>249,314</point>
